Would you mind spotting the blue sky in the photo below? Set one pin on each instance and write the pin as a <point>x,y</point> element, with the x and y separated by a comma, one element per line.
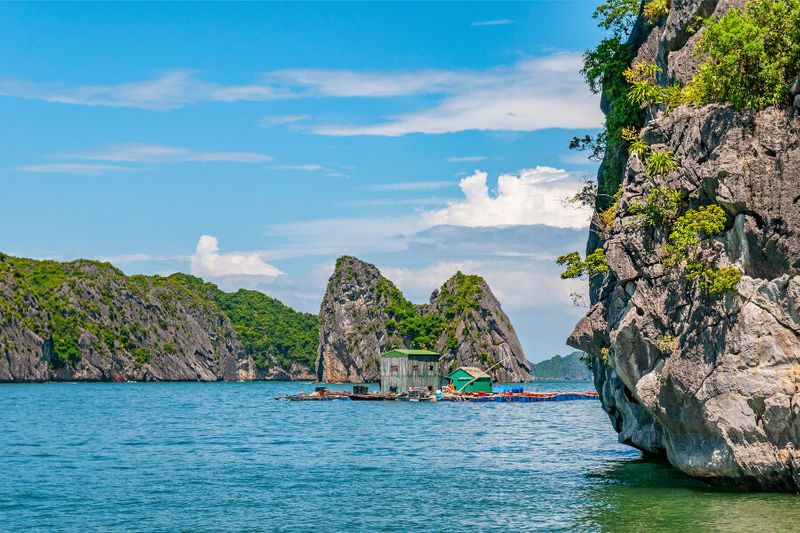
<point>251,144</point>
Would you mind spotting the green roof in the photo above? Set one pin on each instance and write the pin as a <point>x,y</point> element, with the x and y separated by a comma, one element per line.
<point>398,352</point>
<point>473,371</point>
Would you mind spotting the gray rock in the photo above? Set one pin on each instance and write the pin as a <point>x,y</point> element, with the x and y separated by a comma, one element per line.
<point>710,383</point>
<point>796,86</point>
<point>356,327</point>
<point>181,338</point>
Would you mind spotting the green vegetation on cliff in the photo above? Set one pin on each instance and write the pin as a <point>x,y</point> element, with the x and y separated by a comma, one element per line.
<point>751,56</point>
<point>62,301</point>
<point>460,295</point>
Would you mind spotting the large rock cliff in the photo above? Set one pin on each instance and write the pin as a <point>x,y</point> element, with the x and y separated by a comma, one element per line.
<point>87,321</point>
<point>364,314</point>
<point>712,383</point>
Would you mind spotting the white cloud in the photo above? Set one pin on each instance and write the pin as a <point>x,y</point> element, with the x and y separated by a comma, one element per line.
<point>306,168</point>
<point>171,90</point>
<point>535,94</point>
<point>159,153</point>
<point>389,202</point>
<point>498,22</point>
<point>466,159</point>
<point>277,120</point>
<point>142,257</point>
<point>208,262</point>
<point>73,168</point>
<point>533,196</point>
<point>351,83</point>
<point>413,186</point>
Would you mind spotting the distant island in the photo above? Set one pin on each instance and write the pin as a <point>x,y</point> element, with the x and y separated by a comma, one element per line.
<point>87,321</point>
<point>562,367</point>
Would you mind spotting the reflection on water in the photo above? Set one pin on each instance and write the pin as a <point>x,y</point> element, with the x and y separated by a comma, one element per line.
<point>638,495</point>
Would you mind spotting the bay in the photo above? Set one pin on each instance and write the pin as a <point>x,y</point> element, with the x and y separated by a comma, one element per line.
<point>228,457</point>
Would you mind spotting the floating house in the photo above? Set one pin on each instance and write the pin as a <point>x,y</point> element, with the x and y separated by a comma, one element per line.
<point>470,379</point>
<point>405,369</point>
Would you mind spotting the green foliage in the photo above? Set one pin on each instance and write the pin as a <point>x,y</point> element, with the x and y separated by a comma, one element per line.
<point>460,296</point>
<point>684,246</point>
<point>65,337</point>
<point>269,329</point>
<point>667,343</point>
<point>594,264</point>
<point>638,147</point>
<point>751,57</point>
<point>603,69</point>
<point>661,207</point>
<point>55,301</point>
<point>617,16</point>
<point>713,280</point>
<point>690,229</point>
<point>655,9</point>
<point>605,218</point>
<point>660,163</point>
<point>140,355</point>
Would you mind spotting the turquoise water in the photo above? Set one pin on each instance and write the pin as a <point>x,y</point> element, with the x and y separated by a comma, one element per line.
<point>226,456</point>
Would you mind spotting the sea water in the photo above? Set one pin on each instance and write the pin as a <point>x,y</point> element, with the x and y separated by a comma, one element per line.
<point>228,457</point>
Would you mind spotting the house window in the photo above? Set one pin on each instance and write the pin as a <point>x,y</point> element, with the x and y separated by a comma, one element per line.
<point>430,368</point>
<point>394,368</point>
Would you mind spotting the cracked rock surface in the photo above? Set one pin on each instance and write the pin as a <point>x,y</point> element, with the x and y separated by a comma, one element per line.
<point>722,400</point>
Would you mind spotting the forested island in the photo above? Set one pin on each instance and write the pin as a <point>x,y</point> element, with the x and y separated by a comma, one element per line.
<point>86,320</point>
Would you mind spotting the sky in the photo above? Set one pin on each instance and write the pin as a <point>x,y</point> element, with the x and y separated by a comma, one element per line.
<point>251,144</point>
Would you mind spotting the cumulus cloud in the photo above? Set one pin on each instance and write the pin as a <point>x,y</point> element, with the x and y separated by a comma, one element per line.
<point>207,261</point>
<point>533,196</point>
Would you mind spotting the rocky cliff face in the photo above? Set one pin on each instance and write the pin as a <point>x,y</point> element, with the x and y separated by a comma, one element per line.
<point>712,383</point>
<point>88,321</point>
<point>477,332</point>
<point>352,320</point>
<point>363,314</point>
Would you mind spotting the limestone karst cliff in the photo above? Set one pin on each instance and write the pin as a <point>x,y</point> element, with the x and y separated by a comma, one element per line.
<point>364,314</point>
<point>86,320</point>
<point>710,381</point>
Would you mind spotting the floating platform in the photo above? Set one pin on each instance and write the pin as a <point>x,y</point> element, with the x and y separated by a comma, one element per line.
<point>325,395</point>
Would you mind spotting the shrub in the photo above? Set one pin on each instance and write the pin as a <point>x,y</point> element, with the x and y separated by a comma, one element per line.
<point>660,163</point>
<point>714,281</point>
<point>140,355</point>
<point>690,229</point>
<point>603,69</point>
<point>638,147</point>
<point>667,343</point>
<point>684,245</point>
<point>751,57</point>
<point>594,264</point>
<point>655,9</point>
<point>660,208</point>
<point>617,16</point>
